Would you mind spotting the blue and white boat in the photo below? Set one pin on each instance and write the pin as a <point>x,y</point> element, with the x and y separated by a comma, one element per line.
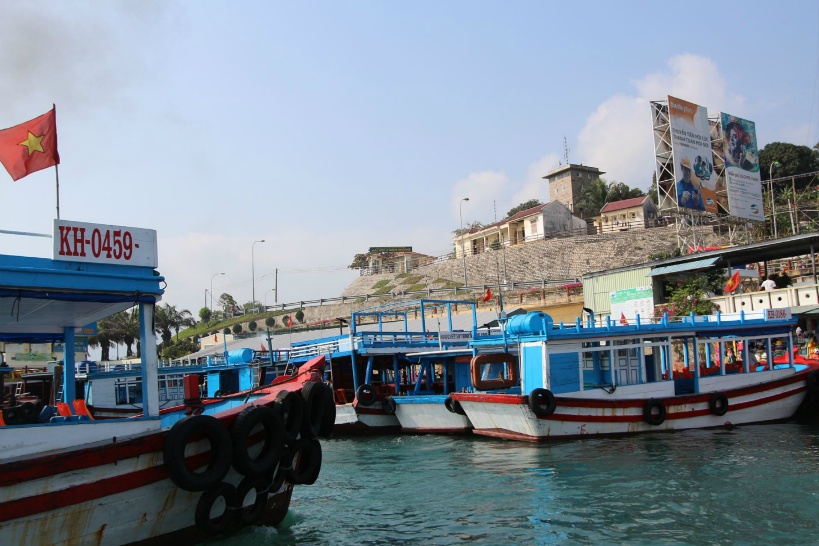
<point>650,375</point>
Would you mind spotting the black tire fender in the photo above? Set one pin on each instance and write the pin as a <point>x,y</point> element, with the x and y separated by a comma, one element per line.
<point>303,463</point>
<point>328,420</point>
<point>389,405</point>
<point>244,435</point>
<point>290,406</point>
<point>453,405</point>
<point>213,525</point>
<point>250,513</point>
<point>812,381</point>
<point>542,402</point>
<point>649,414</point>
<point>718,404</point>
<point>365,394</point>
<point>173,453</point>
<point>313,394</point>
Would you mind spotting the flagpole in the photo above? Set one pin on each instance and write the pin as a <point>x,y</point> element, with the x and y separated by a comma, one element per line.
<point>57,164</point>
<point>57,173</point>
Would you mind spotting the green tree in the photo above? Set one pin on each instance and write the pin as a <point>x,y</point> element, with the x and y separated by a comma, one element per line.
<point>599,192</point>
<point>300,316</point>
<point>360,261</point>
<point>270,322</point>
<point>523,206</point>
<point>251,325</point>
<point>237,328</point>
<point>227,303</point>
<point>169,320</point>
<point>792,160</point>
<point>205,314</point>
<point>691,295</point>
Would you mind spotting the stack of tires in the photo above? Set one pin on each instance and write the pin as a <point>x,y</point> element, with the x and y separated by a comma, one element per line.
<point>809,409</point>
<point>266,446</point>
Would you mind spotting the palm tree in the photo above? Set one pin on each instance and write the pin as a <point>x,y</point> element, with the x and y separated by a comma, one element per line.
<point>592,198</point>
<point>169,320</point>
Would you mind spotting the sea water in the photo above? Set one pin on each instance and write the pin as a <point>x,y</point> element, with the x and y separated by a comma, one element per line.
<point>749,485</point>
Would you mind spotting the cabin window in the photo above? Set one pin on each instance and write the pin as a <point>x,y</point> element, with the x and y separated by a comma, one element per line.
<point>128,391</point>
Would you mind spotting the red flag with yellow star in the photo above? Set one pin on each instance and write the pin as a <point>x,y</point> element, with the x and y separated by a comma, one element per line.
<point>30,146</point>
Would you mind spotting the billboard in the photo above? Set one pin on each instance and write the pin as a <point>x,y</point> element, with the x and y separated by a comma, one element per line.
<point>742,180</point>
<point>691,146</point>
<point>631,302</point>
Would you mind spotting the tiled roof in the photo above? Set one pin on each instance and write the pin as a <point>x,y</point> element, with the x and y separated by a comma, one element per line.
<point>624,204</point>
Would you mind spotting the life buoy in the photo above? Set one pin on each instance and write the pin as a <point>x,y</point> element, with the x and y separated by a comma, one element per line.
<point>303,463</point>
<point>328,420</point>
<point>453,405</point>
<point>248,458</point>
<point>389,405</point>
<point>215,524</point>
<point>290,406</point>
<point>542,402</point>
<point>651,417</point>
<point>718,403</point>
<point>313,394</point>
<point>221,452</point>
<point>365,395</point>
<point>252,508</point>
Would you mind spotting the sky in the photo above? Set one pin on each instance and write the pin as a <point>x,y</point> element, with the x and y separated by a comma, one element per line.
<point>325,128</point>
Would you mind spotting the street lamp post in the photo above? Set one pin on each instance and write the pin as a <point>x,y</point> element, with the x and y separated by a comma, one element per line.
<point>253,270</point>
<point>265,298</point>
<point>773,203</point>
<point>211,289</point>
<point>463,254</point>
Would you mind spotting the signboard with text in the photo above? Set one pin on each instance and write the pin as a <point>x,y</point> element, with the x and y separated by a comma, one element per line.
<point>742,180</point>
<point>696,181</point>
<point>104,244</point>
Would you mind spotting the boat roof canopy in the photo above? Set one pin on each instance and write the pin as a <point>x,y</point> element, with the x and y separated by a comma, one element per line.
<point>40,297</point>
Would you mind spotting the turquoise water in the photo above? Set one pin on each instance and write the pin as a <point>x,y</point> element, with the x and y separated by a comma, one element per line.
<point>750,485</point>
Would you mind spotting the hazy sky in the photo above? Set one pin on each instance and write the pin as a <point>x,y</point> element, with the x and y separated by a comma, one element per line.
<point>326,128</point>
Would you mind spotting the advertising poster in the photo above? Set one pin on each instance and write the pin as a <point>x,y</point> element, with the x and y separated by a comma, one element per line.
<point>742,180</point>
<point>696,183</point>
<point>631,302</point>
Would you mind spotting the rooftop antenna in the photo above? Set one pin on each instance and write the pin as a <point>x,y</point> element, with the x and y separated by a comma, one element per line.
<point>565,150</point>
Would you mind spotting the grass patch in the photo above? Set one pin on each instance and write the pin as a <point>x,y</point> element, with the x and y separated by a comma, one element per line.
<point>411,279</point>
<point>416,287</point>
<point>380,284</point>
<point>402,275</point>
<point>383,290</point>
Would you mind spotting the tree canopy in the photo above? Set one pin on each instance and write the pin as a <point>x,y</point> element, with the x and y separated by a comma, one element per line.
<point>599,192</point>
<point>792,160</point>
<point>523,206</point>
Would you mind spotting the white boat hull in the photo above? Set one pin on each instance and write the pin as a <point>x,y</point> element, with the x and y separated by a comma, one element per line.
<point>428,414</point>
<point>596,413</point>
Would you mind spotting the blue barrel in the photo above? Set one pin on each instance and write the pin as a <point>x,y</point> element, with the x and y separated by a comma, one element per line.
<point>530,323</point>
<point>240,356</point>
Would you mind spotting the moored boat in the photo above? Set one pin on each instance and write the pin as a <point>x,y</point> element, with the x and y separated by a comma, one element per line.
<point>180,473</point>
<point>670,374</point>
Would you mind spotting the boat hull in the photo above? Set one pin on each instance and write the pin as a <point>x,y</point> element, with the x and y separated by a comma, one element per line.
<point>357,420</point>
<point>510,416</point>
<point>429,415</point>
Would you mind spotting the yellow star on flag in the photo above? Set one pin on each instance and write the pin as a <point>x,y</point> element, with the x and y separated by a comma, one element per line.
<point>32,143</point>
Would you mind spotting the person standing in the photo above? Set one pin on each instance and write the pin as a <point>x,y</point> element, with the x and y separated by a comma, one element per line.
<point>768,284</point>
<point>688,195</point>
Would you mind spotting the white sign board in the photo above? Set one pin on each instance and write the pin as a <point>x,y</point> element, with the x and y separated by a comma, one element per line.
<point>778,314</point>
<point>104,244</point>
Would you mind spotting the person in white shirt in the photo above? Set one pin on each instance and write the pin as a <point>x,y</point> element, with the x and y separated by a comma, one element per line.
<point>768,284</point>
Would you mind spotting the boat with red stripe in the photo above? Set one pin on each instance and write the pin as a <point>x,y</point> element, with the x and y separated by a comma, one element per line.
<point>664,374</point>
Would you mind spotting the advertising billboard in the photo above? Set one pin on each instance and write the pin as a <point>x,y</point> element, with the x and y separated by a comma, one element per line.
<point>631,302</point>
<point>691,146</point>
<point>742,179</point>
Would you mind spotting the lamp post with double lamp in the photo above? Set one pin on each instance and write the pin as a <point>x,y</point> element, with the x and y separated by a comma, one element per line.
<point>211,290</point>
<point>773,203</point>
<point>265,297</point>
<point>253,271</point>
<point>463,254</point>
